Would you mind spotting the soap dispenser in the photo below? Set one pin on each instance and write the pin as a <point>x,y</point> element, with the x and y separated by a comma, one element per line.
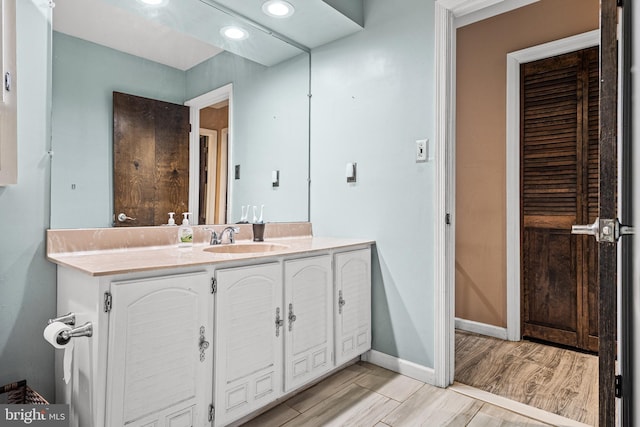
<point>185,233</point>
<point>171,221</point>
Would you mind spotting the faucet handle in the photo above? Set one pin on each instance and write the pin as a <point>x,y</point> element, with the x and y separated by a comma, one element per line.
<point>215,238</point>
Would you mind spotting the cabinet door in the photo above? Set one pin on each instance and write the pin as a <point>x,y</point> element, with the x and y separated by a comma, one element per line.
<point>248,367</point>
<point>308,300</point>
<point>156,372</point>
<point>352,304</point>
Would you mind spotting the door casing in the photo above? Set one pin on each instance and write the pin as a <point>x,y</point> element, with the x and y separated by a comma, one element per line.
<point>195,105</point>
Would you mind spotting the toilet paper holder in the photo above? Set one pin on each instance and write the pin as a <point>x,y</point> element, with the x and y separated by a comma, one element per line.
<point>85,330</point>
<point>67,319</point>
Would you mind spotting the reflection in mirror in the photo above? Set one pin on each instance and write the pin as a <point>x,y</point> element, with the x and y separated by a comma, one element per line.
<point>266,110</point>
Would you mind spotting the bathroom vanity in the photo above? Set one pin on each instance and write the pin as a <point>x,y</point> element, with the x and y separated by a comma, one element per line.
<point>205,336</point>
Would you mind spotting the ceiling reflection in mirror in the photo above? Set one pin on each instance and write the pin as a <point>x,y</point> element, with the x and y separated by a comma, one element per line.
<point>176,53</point>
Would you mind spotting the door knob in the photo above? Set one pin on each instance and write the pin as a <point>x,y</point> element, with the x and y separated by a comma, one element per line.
<point>279,322</point>
<point>292,317</point>
<point>341,302</point>
<point>589,229</point>
<point>604,230</point>
<point>203,344</point>
<point>122,218</point>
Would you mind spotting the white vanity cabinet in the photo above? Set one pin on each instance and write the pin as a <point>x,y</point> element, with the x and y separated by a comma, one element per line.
<point>151,352</point>
<point>158,352</point>
<point>210,344</point>
<point>352,272</point>
<point>249,328</point>
<point>308,296</point>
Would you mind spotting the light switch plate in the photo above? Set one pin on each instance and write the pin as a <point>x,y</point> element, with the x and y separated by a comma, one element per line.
<point>351,171</point>
<point>422,150</point>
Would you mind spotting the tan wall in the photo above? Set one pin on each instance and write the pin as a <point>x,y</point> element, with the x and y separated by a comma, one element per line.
<point>480,144</point>
<point>214,118</point>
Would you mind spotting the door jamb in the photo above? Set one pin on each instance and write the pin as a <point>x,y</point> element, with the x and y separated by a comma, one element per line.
<point>514,59</point>
<point>195,105</point>
<point>448,15</point>
<point>213,138</point>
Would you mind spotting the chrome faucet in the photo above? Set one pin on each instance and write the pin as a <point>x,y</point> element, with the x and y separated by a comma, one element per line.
<point>216,239</point>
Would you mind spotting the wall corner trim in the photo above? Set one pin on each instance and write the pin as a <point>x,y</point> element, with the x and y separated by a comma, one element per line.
<point>401,366</point>
<point>481,328</point>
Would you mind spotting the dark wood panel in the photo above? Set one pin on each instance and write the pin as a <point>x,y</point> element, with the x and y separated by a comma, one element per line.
<point>134,159</point>
<point>172,160</point>
<point>551,334</point>
<point>608,209</point>
<point>549,282</point>
<point>592,293</point>
<point>561,222</point>
<point>151,159</point>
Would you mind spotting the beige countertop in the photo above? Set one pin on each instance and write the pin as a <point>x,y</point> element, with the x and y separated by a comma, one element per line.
<point>110,260</point>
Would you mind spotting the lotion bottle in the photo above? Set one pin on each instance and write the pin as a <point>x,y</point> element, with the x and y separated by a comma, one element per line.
<point>185,233</point>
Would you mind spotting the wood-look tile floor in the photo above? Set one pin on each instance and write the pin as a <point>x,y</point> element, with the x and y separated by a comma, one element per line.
<point>369,396</point>
<point>556,380</point>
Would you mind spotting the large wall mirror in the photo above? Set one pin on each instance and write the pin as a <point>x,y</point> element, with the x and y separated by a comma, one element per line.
<point>248,104</point>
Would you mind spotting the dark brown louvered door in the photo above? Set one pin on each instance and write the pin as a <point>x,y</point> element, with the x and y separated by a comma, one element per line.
<point>559,188</point>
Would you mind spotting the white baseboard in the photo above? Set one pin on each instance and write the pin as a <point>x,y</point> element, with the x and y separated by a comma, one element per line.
<point>481,328</point>
<point>404,367</point>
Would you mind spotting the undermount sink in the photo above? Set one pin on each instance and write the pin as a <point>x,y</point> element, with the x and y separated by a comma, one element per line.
<point>245,248</point>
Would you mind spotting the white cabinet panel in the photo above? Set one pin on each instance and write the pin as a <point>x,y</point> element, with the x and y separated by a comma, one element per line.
<point>154,357</point>
<point>309,338</point>
<point>352,304</point>
<point>248,369</point>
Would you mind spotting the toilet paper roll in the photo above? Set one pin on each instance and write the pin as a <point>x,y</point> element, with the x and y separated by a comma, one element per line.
<point>52,333</point>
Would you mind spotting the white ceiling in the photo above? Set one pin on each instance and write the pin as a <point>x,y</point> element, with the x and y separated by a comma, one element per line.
<point>313,24</point>
<point>183,33</point>
<point>107,25</point>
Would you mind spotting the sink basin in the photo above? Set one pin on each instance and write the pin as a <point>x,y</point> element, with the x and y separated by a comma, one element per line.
<point>245,248</point>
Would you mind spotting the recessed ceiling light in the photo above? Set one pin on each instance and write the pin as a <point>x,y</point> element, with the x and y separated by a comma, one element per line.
<point>152,2</point>
<point>234,33</point>
<point>278,8</point>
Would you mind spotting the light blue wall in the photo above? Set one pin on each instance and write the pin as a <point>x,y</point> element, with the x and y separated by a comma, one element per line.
<point>27,279</point>
<point>271,130</point>
<point>84,77</point>
<point>373,96</point>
